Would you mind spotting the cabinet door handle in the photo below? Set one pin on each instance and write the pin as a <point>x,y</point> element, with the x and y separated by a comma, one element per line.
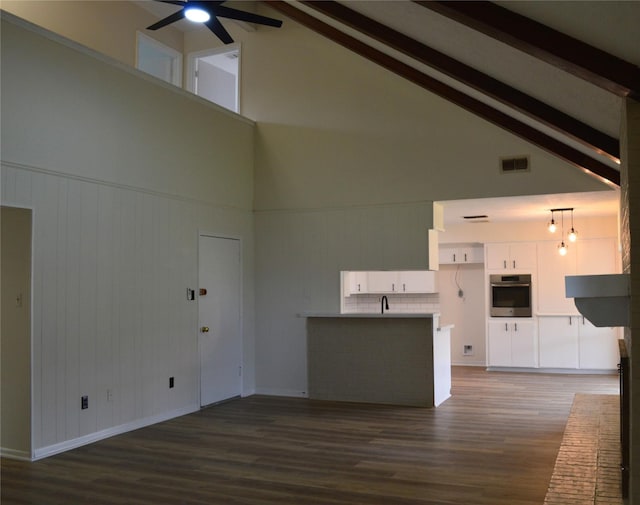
<point>514,263</point>
<point>506,328</point>
<point>515,326</point>
<point>465,257</point>
<point>570,322</point>
<point>454,257</point>
<point>358,287</point>
<point>582,320</point>
<point>404,287</point>
<point>505,263</point>
<point>393,287</point>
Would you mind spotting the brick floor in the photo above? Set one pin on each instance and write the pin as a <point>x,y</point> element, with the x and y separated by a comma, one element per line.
<point>587,469</point>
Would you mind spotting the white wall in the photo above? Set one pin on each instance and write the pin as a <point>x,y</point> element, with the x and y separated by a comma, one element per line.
<point>337,130</point>
<point>466,313</point>
<point>105,26</point>
<point>121,173</point>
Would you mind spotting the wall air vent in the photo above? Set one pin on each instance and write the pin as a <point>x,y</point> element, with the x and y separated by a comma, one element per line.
<point>481,218</point>
<point>516,164</point>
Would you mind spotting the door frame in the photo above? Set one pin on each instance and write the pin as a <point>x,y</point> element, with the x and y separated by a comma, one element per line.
<point>203,233</point>
<point>168,50</point>
<point>31,455</point>
<point>190,83</point>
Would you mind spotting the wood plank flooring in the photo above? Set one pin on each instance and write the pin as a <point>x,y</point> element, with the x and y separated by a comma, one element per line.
<point>493,443</point>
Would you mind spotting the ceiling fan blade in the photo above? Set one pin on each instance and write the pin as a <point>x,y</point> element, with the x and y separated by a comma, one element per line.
<point>167,21</point>
<point>230,13</point>
<point>172,2</point>
<point>216,27</point>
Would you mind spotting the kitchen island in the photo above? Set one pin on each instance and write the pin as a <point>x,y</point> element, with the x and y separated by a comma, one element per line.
<point>392,358</point>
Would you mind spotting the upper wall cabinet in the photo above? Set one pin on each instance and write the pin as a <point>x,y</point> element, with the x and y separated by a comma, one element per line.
<point>519,256</point>
<point>451,254</point>
<point>417,282</point>
<point>382,282</point>
<point>354,283</point>
<point>585,257</point>
<point>402,282</point>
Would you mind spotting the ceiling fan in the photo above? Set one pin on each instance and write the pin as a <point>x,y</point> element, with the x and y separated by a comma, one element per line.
<point>208,12</point>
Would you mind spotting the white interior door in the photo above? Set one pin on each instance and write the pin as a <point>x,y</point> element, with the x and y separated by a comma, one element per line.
<point>215,75</point>
<point>219,309</point>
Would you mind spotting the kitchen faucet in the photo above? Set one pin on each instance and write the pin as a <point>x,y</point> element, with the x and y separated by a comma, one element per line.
<point>384,304</point>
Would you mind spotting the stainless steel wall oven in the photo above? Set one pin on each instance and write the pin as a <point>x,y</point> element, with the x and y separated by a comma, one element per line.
<point>510,295</point>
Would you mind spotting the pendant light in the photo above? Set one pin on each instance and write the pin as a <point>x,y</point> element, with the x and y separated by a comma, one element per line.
<point>562,248</point>
<point>573,234</point>
<point>552,224</point>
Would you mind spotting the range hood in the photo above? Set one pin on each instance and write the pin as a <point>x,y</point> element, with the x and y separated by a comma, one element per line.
<point>603,299</point>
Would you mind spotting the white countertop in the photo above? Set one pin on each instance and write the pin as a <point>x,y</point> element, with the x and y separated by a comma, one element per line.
<point>386,315</point>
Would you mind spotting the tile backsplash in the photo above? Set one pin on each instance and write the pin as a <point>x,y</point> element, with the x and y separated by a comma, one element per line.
<point>398,303</point>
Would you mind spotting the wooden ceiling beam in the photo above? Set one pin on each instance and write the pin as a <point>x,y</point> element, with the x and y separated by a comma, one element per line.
<point>494,116</point>
<point>592,138</point>
<point>567,53</point>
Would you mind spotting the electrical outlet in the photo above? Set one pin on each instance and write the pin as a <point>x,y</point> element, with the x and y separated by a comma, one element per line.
<point>84,402</point>
<point>170,382</point>
<point>467,350</point>
<point>109,395</point>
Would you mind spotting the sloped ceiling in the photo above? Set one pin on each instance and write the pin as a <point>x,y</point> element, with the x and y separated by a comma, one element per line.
<point>546,101</point>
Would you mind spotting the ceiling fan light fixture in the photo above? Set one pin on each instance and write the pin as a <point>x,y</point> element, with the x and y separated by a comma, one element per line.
<point>197,15</point>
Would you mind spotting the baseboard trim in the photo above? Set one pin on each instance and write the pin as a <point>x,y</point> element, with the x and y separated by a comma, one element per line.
<point>281,392</point>
<point>5,452</point>
<point>570,371</point>
<point>74,443</point>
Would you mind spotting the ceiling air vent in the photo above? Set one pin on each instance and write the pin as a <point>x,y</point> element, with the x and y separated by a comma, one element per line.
<point>481,218</point>
<point>517,164</point>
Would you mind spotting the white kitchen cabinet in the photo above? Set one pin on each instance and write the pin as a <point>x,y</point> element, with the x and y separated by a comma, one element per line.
<point>597,347</point>
<point>573,342</point>
<point>512,343</point>
<point>502,256</point>
<point>551,274</point>
<point>382,282</point>
<point>461,254</point>
<point>417,282</point>
<point>596,256</point>
<point>585,257</point>
<point>558,341</point>
<point>354,283</point>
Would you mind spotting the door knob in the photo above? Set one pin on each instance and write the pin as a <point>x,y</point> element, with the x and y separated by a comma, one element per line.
<point>204,329</point>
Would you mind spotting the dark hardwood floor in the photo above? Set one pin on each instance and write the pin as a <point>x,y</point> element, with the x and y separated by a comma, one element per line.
<point>493,443</point>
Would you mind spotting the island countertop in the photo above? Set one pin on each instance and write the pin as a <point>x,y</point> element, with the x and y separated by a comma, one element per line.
<point>386,315</point>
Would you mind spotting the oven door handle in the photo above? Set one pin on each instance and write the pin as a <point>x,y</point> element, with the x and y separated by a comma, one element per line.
<point>514,285</point>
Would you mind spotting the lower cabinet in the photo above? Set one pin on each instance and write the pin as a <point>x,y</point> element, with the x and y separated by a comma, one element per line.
<point>512,343</point>
<point>573,342</point>
<point>558,340</point>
